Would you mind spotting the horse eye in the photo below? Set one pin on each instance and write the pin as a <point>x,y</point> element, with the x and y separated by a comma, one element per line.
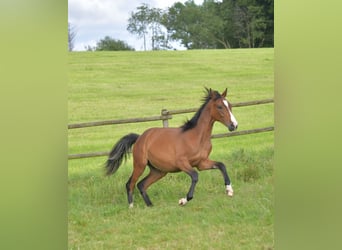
<point>219,107</point>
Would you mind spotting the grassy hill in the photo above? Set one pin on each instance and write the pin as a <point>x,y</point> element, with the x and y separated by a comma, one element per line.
<point>113,85</point>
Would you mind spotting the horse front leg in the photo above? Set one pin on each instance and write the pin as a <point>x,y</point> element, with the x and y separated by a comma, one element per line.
<point>209,164</point>
<point>194,178</point>
<point>222,168</point>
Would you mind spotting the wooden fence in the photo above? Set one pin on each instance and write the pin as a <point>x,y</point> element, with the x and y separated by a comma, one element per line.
<point>164,117</point>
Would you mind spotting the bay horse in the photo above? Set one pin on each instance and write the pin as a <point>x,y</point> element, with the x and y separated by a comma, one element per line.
<point>170,150</point>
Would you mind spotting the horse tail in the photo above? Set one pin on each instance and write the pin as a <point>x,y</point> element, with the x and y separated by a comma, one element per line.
<point>120,151</point>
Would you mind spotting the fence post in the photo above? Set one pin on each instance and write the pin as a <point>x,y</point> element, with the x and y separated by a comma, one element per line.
<point>165,118</point>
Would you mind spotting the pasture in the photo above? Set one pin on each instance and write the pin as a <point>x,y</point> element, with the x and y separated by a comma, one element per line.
<point>115,85</point>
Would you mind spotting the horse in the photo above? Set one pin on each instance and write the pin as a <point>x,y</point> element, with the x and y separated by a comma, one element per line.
<point>171,150</point>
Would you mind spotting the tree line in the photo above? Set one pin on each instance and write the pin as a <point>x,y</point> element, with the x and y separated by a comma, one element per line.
<point>211,25</point>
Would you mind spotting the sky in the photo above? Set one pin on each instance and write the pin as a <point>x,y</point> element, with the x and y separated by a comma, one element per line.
<point>94,19</point>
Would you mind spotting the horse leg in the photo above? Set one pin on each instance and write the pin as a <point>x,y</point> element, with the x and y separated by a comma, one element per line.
<point>129,193</point>
<point>194,178</point>
<point>222,168</point>
<point>152,177</point>
<point>208,164</point>
<point>137,172</point>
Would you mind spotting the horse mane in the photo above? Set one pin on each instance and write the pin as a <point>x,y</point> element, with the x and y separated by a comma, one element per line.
<point>189,124</point>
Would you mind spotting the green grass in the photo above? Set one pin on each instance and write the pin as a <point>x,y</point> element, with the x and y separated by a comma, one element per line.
<point>113,85</point>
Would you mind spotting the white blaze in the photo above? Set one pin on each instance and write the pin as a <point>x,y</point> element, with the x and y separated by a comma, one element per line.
<point>225,102</point>
<point>232,117</point>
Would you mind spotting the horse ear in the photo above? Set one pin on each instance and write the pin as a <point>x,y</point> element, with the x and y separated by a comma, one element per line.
<point>224,94</point>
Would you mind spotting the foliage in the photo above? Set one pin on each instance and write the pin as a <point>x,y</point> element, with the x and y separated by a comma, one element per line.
<point>148,20</point>
<point>248,23</point>
<point>226,24</point>
<point>137,23</point>
<point>195,26</point>
<point>110,44</point>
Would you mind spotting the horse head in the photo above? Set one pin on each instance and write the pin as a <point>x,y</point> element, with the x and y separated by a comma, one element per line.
<point>222,110</point>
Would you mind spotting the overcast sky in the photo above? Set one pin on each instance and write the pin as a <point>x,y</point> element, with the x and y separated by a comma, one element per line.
<point>95,19</point>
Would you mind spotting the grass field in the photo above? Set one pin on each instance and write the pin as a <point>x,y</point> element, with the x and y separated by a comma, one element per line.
<point>113,85</point>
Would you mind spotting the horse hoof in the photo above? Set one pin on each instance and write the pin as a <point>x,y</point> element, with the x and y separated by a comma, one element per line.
<point>130,205</point>
<point>229,190</point>
<point>182,202</point>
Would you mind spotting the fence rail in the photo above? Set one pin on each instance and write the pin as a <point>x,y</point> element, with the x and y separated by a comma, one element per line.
<point>121,121</point>
<point>238,104</point>
<point>164,117</point>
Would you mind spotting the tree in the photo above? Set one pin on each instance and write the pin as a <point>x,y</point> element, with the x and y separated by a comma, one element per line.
<point>158,37</point>
<point>148,21</point>
<point>71,36</point>
<point>213,25</point>
<point>268,10</point>
<point>221,24</point>
<point>196,26</point>
<point>246,22</point>
<point>183,23</point>
<point>138,23</point>
<point>109,43</point>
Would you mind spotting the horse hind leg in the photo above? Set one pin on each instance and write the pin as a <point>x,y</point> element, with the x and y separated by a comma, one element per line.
<point>151,178</point>
<point>129,192</point>
<point>137,172</point>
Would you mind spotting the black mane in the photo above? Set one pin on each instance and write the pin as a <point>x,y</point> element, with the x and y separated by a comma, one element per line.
<point>193,121</point>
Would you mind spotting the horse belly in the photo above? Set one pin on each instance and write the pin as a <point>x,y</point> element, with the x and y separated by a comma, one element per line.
<point>161,150</point>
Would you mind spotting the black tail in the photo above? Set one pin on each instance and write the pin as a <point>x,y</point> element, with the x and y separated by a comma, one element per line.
<point>119,151</point>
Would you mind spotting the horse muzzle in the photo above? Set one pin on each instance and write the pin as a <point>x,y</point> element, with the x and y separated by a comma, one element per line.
<point>232,127</point>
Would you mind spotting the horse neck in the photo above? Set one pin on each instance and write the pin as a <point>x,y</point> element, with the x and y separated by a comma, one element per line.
<point>204,125</point>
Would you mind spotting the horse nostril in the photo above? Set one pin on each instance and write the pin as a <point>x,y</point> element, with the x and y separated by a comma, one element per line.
<point>231,127</point>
